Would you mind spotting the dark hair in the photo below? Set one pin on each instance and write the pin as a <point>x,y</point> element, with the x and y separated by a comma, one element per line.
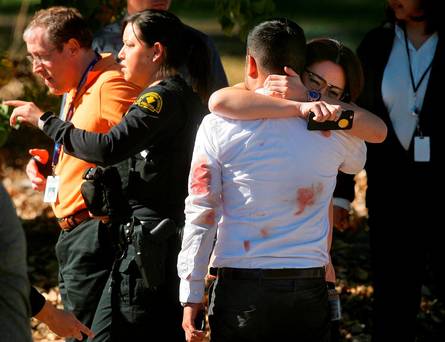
<point>183,47</point>
<point>277,43</point>
<point>326,49</point>
<point>431,14</point>
<point>62,24</point>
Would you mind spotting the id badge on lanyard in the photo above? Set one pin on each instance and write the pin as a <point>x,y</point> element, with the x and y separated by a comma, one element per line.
<point>51,189</point>
<point>421,149</point>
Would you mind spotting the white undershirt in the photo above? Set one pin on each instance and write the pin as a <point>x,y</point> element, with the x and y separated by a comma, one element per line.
<point>397,90</point>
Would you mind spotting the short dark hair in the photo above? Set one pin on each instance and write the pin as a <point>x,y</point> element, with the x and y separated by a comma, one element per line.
<point>62,24</point>
<point>277,43</point>
<point>326,49</point>
<point>183,46</point>
<point>163,27</point>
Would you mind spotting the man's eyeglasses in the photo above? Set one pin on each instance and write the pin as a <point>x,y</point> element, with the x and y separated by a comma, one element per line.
<point>40,59</point>
<point>317,82</point>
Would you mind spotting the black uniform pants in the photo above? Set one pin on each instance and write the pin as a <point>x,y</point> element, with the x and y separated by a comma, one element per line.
<point>130,312</point>
<point>85,257</point>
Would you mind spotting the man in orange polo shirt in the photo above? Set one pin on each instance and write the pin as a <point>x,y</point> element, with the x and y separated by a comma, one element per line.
<point>59,47</point>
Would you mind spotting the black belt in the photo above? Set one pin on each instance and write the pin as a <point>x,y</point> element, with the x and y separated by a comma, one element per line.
<point>276,273</point>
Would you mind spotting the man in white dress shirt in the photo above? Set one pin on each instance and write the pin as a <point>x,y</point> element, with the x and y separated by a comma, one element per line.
<point>264,187</point>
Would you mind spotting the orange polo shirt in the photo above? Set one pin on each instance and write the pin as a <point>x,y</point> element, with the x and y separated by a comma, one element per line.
<point>104,99</point>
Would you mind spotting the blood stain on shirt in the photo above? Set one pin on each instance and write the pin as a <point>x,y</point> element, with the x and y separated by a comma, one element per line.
<point>264,232</point>
<point>208,218</point>
<point>201,177</point>
<point>307,196</point>
<point>246,245</point>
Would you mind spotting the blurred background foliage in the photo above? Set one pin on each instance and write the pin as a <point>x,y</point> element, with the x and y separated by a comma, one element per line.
<point>227,21</point>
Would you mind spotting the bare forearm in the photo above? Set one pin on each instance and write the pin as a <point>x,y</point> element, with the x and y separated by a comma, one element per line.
<point>47,313</point>
<point>242,104</point>
<point>366,126</point>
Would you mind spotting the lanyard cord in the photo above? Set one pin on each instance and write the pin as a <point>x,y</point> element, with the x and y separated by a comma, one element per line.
<point>70,113</point>
<point>82,81</point>
<point>415,87</point>
<point>415,110</point>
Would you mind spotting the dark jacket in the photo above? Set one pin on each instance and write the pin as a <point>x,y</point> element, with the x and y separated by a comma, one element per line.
<point>390,168</point>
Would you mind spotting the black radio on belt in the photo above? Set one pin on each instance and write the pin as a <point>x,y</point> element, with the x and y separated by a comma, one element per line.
<point>103,194</point>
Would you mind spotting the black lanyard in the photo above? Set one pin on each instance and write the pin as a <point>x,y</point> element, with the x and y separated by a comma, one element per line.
<point>414,85</point>
<point>415,110</point>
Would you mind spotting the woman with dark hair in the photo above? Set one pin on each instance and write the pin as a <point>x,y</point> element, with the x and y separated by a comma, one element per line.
<point>325,49</point>
<point>403,63</point>
<point>323,54</point>
<point>154,144</point>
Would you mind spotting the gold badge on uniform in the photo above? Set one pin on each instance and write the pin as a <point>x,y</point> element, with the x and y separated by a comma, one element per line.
<point>151,101</point>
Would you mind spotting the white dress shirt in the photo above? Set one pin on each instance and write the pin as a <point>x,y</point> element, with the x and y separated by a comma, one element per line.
<point>264,187</point>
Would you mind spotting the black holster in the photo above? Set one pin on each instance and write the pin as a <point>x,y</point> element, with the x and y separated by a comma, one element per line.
<point>103,193</point>
<point>150,242</point>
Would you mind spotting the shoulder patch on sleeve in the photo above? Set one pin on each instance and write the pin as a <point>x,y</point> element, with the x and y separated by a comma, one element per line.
<point>151,101</point>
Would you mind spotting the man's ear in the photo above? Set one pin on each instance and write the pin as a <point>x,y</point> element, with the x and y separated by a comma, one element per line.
<point>158,52</point>
<point>252,69</point>
<point>72,46</point>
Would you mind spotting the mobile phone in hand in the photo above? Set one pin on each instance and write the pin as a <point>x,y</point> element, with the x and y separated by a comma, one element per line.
<point>44,169</point>
<point>342,123</point>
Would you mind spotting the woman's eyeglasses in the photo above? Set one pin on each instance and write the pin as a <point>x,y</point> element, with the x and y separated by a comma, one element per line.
<point>317,82</point>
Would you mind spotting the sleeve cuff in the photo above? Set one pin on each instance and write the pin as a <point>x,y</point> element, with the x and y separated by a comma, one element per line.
<point>342,203</point>
<point>37,301</point>
<point>191,291</point>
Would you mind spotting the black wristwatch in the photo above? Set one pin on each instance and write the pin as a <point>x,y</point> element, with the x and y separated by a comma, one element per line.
<point>313,95</point>
<point>45,116</point>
